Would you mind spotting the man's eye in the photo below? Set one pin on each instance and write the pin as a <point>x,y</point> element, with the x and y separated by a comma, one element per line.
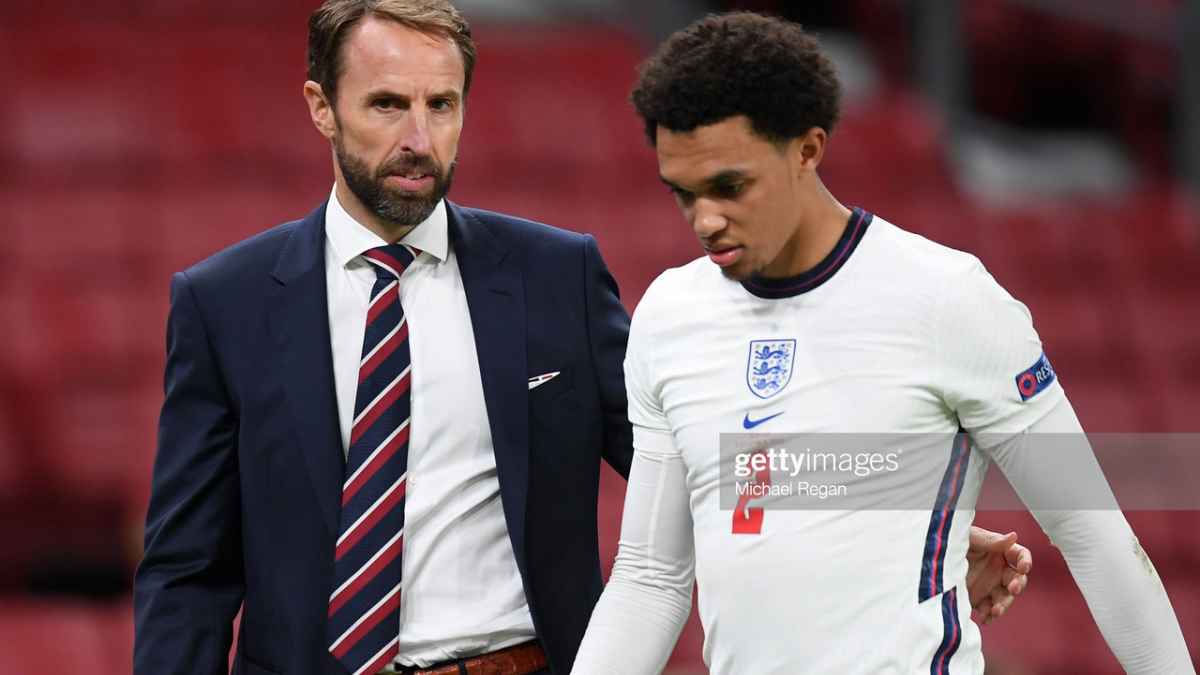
<point>730,191</point>
<point>384,103</point>
<point>684,196</point>
<point>441,104</point>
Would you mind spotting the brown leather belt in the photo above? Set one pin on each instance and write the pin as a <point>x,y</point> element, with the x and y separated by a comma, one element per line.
<point>522,659</point>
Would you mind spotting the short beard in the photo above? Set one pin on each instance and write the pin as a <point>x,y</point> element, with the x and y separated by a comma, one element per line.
<point>394,207</point>
<point>732,276</point>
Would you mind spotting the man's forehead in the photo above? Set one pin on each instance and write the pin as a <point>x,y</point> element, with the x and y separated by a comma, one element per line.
<point>730,131</point>
<point>705,154</point>
<point>378,48</point>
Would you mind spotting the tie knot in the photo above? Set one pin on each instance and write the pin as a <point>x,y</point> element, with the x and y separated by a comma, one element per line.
<point>390,261</point>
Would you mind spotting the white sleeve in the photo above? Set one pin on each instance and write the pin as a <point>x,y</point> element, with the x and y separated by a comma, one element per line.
<point>995,376</point>
<point>1117,579</point>
<point>992,370</point>
<point>649,595</point>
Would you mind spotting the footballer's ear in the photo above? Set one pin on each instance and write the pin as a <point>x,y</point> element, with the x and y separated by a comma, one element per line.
<point>320,109</point>
<point>809,149</point>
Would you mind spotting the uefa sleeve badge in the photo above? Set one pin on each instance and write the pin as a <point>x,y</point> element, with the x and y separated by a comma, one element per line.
<point>1035,379</point>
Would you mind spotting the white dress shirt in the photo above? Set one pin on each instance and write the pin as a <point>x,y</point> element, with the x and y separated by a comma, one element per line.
<point>462,593</point>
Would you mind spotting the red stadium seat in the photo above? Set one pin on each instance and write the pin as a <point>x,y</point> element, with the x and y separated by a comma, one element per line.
<point>83,233</point>
<point>1185,596</point>
<point>102,448</point>
<point>112,138</point>
<point>887,153</point>
<point>583,75</point>
<point>199,221</point>
<point>15,469</point>
<point>1109,404</point>
<point>64,637</point>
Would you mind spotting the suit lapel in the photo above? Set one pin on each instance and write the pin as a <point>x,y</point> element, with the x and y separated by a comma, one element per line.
<point>299,322</point>
<point>496,300</point>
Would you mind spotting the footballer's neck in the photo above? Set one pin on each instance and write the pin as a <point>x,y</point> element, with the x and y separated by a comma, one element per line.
<point>823,220</point>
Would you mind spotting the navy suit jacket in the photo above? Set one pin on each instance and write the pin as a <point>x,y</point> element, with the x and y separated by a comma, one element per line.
<point>246,485</point>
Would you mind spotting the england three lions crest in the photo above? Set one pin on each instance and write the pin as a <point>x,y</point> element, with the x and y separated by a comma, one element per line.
<point>769,368</point>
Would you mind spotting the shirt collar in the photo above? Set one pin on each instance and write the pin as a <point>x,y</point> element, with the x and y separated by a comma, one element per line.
<point>350,239</point>
<point>774,289</point>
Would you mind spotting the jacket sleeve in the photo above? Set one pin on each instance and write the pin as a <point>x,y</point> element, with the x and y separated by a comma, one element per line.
<point>608,332</point>
<point>190,582</point>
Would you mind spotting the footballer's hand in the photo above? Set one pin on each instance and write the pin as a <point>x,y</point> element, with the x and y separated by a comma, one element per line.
<point>997,572</point>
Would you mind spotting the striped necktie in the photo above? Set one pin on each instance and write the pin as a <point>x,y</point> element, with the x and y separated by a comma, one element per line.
<point>364,609</point>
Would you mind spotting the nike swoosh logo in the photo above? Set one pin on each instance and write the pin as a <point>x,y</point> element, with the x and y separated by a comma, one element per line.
<point>748,423</point>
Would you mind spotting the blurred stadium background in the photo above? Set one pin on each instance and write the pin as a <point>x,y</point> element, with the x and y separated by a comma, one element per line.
<point>1058,140</point>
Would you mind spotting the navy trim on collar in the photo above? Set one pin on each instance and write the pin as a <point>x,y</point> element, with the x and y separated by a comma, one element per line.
<point>787,287</point>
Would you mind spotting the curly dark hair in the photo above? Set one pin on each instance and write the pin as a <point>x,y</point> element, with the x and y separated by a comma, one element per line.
<point>739,63</point>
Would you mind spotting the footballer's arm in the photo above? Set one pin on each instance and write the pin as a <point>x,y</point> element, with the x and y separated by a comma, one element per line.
<point>1122,589</point>
<point>995,376</point>
<point>649,595</point>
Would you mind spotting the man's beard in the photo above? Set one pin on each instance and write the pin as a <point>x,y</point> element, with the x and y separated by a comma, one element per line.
<point>395,207</point>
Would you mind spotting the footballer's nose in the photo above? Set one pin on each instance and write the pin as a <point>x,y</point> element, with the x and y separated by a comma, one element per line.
<point>707,221</point>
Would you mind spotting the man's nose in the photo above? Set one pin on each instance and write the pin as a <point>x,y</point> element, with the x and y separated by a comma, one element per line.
<point>707,220</point>
<point>415,136</point>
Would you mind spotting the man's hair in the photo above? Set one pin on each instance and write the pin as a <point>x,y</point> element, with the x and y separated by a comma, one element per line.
<point>741,63</point>
<point>329,25</point>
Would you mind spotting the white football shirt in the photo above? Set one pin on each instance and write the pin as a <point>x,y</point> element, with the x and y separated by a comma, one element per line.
<point>890,333</point>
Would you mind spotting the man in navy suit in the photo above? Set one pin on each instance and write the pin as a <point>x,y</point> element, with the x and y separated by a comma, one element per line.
<point>384,422</point>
